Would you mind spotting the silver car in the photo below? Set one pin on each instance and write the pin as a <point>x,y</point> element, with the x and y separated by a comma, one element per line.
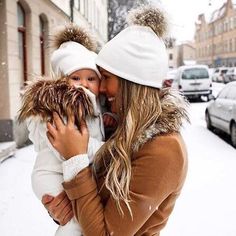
<point>221,112</point>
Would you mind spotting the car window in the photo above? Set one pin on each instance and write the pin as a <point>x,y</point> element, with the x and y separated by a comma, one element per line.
<point>217,70</point>
<point>224,71</point>
<point>195,73</point>
<point>223,93</point>
<point>231,94</point>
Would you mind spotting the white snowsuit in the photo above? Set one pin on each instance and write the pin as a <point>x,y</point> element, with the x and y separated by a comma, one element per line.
<point>47,174</point>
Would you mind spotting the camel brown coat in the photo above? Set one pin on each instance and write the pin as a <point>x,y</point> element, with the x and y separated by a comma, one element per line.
<point>158,172</point>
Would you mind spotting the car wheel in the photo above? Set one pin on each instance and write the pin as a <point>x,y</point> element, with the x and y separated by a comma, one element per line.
<point>208,121</point>
<point>233,134</point>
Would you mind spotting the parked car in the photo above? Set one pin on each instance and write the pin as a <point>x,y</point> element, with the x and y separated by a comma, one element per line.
<point>221,112</point>
<point>193,81</point>
<point>219,74</point>
<point>167,82</point>
<point>230,75</point>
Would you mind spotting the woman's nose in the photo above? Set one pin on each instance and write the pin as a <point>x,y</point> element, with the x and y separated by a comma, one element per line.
<point>102,88</point>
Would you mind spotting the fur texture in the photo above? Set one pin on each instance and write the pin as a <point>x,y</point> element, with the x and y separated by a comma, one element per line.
<point>44,97</point>
<point>74,33</point>
<point>149,16</point>
<point>174,111</point>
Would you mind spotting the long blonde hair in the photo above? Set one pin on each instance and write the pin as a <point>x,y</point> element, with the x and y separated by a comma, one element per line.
<point>138,108</point>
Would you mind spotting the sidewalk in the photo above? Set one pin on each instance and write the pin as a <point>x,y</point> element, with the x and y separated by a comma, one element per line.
<point>21,213</point>
<point>7,149</point>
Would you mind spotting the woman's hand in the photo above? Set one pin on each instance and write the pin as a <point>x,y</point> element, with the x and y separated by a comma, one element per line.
<point>66,139</point>
<point>59,207</point>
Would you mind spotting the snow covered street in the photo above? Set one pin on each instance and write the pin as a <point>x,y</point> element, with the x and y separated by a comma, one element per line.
<point>207,206</point>
<point>21,214</point>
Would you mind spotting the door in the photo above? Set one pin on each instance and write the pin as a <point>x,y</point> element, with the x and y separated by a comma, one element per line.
<point>218,108</point>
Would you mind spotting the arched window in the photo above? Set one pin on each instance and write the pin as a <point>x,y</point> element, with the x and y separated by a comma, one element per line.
<point>42,43</point>
<point>22,39</point>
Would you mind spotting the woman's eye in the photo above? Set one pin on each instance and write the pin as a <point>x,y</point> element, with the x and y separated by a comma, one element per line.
<point>104,77</point>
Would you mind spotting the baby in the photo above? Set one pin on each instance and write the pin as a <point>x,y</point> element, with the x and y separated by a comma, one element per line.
<point>75,91</point>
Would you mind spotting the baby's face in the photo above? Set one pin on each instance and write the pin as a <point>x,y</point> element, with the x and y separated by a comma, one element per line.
<point>86,78</point>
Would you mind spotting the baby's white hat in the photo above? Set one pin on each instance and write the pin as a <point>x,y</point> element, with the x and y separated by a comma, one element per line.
<point>74,52</point>
<point>138,53</point>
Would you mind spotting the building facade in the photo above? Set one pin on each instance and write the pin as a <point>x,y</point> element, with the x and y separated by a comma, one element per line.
<point>26,27</point>
<point>215,40</point>
<point>182,54</point>
<point>90,14</point>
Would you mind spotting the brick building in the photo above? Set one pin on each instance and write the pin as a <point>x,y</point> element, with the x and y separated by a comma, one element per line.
<point>215,40</point>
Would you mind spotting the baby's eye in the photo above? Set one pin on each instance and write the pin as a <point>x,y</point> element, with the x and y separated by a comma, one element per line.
<point>75,78</point>
<point>91,79</point>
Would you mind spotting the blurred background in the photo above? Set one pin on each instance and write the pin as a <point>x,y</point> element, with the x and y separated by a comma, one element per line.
<point>201,47</point>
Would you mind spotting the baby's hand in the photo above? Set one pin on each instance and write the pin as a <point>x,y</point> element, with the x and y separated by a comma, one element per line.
<point>59,207</point>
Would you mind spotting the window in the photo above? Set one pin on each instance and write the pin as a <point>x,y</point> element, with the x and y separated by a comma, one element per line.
<point>170,56</point>
<point>231,94</point>
<point>86,8</point>
<point>230,45</point>
<point>82,7</point>
<point>42,44</point>
<point>22,39</point>
<point>195,73</point>
<point>224,92</point>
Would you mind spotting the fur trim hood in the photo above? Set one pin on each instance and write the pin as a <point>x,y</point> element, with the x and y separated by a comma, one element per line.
<point>174,113</point>
<point>43,97</point>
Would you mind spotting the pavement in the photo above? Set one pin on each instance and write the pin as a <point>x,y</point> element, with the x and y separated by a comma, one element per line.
<point>7,149</point>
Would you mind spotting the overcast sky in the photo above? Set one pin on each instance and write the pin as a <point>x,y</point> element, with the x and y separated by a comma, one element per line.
<point>184,13</point>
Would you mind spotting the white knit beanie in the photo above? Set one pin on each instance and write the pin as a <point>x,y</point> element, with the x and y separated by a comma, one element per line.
<point>138,53</point>
<point>74,52</point>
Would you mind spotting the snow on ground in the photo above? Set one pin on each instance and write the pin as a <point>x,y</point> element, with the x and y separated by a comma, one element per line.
<point>21,213</point>
<point>207,204</point>
<point>206,207</point>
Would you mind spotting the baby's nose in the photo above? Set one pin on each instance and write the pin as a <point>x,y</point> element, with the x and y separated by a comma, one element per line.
<point>84,83</point>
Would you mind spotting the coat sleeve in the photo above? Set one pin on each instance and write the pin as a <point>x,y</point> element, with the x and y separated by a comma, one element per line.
<point>156,173</point>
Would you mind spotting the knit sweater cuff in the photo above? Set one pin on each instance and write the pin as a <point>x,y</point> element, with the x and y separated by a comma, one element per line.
<point>74,165</point>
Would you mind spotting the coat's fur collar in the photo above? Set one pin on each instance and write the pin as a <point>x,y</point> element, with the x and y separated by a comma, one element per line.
<point>174,112</point>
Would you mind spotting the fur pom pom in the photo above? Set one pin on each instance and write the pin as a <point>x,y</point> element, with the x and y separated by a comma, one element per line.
<point>74,33</point>
<point>150,16</point>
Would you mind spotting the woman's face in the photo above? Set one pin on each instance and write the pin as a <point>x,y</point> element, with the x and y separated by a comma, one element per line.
<point>86,78</point>
<point>109,86</point>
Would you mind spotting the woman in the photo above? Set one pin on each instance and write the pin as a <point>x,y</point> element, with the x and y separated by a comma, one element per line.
<point>139,172</point>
